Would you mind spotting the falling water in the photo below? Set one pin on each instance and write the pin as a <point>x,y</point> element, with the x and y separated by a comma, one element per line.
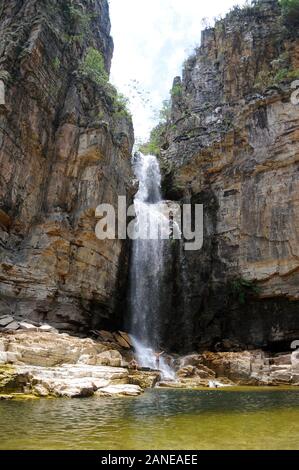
<point>148,265</point>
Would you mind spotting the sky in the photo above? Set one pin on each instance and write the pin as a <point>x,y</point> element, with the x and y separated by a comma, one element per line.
<point>152,39</point>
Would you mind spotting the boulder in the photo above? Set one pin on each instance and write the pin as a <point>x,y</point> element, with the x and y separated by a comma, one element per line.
<point>190,360</point>
<point>79,388</point>
<point>111,358</point>
<point>144,379</point>
<point>188,371</point>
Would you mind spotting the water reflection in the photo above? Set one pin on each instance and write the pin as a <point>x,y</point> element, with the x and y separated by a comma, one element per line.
<point>160,419</point>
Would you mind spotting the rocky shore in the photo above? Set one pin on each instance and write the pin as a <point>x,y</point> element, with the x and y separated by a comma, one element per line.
<point>41,362</point>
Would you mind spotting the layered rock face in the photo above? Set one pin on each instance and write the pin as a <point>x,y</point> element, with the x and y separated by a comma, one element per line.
<point>233,145</point>
<point>64,149</point>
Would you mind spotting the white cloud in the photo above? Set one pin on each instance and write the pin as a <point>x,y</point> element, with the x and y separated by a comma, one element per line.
<point>152,38</point>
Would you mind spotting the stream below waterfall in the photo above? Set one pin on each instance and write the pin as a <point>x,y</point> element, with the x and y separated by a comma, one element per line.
<point>158,419</point>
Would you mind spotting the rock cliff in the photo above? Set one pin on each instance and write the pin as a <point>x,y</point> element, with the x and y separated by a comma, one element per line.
<point>65,146</point>
<point>232,144</point>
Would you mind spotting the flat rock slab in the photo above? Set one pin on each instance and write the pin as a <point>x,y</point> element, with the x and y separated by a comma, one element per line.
<point>120,390</point>
<point>28,326</point>
<point>70,381</point>
<point>6,320</point>
<point>13,326</point>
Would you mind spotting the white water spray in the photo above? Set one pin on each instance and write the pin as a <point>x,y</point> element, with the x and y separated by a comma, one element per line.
<point>148,266</point>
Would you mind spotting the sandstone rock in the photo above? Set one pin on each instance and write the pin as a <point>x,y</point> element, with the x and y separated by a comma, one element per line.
<point>188,371</point>
<point>73,153</point>
<point>126,337</point>
<point>69,381</point>
<point>6,320</point>
<point>144,379</point>
<point>51,349</point>
<point>295,361</point>
<point>109,358</point>
<point>120,390</point>
<point>13,326</point>
<point>27,326</point>
<point>106,336</point>
<point>9,357</point>
<point>121,341</point>
<point>73,389</point>
<point>204,372</point>
<point>47,328</point>
<point>88,359</point>
<point>191,360</point>
<point>285,359</point>
<point>234,147</point>
<point>6,397</point>
<point>40,390</point>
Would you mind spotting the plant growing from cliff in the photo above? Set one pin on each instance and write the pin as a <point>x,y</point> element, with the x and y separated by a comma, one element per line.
<point>290,13</point>
<point>241,290</point>
<point>153,146</point>
<point>267,78</point>
<point>56,63</point>
<point>94,66</point>
<point>165,112</point>
<point>120,105</point>
<point>176,91</point>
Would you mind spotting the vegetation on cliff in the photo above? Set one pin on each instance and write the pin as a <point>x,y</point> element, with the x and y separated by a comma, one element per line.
<point>290,12</point>
<point>93,67</point>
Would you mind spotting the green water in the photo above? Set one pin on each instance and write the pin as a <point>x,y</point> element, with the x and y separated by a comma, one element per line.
<point>159,419</point>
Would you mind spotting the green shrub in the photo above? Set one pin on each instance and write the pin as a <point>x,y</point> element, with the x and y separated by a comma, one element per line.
<point>120,105</point>
<point>153,146</point>
<point>241,290</point>
<point>94,66</point>
<point>79,18</point>
<point>176,90</point>
<point>165,112</point>
<point>266,79</point>
<point>290,12</point>
<point>56,63</point>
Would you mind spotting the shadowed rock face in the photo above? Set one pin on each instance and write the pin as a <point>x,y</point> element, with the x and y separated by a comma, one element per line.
<point>233,145</point>
<point>63,151</point>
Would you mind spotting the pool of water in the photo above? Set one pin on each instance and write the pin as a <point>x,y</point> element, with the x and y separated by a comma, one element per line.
<point>158,420</point>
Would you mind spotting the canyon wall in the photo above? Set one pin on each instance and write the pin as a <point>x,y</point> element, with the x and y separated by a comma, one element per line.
<point>232,144</point>
<point>65,147</point>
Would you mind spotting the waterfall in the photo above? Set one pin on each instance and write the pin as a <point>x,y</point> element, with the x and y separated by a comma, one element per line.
<point>148,260</point>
